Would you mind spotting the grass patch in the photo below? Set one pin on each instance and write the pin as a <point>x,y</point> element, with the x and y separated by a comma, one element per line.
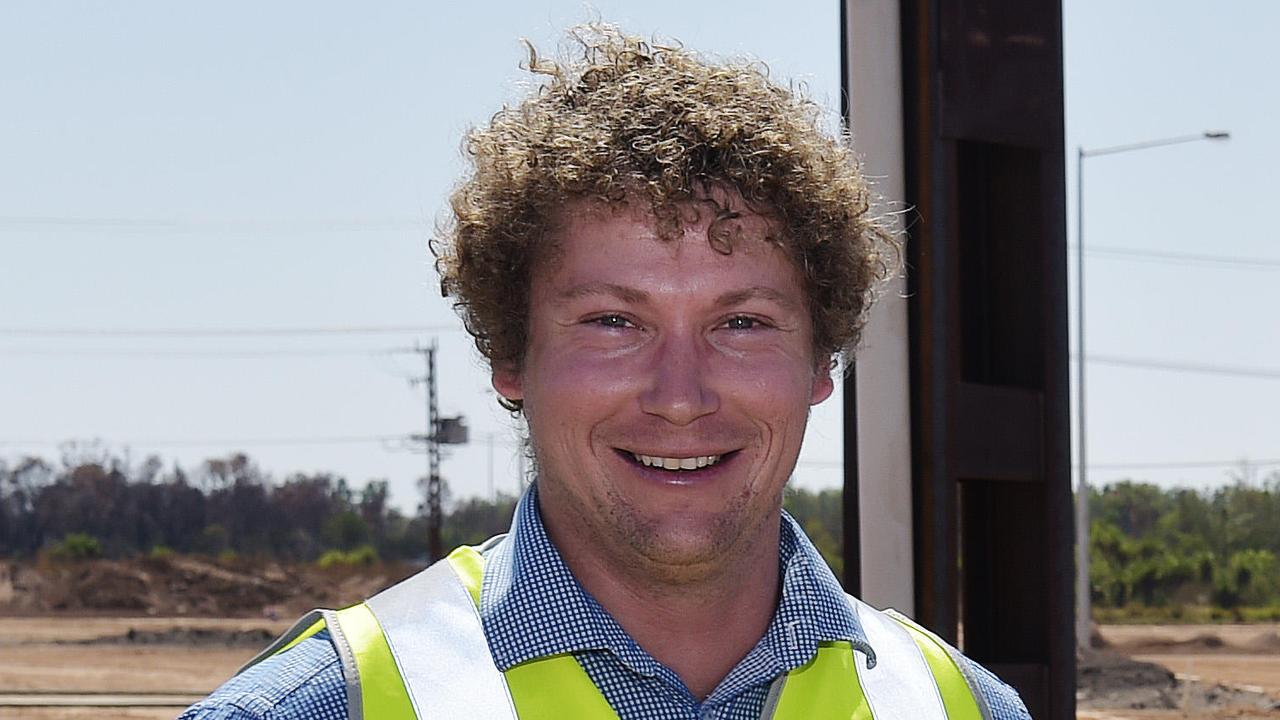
<point>1185,615</point>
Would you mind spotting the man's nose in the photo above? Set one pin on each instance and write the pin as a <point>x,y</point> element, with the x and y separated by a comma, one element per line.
<point>680,390</point>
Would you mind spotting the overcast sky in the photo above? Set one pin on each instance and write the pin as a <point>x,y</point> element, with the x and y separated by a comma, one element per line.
<point>258,167</point>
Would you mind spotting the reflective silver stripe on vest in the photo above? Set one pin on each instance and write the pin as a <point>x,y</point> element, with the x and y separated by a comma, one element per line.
<point>437,640</point>
<point>302,625</point>
<point>900,686</point>
<point>350,672</point>
<point>966,670</point>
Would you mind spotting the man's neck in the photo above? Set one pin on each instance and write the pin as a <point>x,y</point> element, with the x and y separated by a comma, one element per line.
<point>701,626</point>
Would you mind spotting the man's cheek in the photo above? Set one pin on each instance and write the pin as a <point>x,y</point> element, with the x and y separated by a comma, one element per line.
<point>581,377</point>
<point>768,380</point>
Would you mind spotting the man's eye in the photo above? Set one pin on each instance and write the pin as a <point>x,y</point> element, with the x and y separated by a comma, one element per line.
<point>612,321</point>
<point>742,322</point>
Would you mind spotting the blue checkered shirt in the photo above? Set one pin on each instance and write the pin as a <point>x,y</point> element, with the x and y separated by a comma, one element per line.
<point>532,606</point>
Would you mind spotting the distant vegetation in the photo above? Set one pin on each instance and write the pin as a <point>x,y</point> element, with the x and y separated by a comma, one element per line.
<point>1157,554</point>
<point>226,508</point>
<point>1178,554</point>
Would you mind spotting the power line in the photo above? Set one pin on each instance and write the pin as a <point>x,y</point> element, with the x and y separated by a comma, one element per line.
<point>1172,465</point>
<point>253,354</point>
<point>213,224</point>
<point>408,439</point>
<point>1184,464</point>
<point>260,442</point>
<point>195,354</point>
<point>224,332</point>
<point>832,464</point>
<point>1210,369</point>
<point>402,438</point>
<point>1230,261</point>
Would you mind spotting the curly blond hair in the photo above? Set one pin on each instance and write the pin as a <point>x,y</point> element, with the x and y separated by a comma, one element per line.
<point>627,120</point>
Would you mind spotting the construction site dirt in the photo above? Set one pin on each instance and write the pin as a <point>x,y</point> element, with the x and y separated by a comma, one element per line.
<point>141,639</point>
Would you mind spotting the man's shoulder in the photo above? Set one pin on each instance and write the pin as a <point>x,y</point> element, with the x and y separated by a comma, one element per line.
<point>303,681</point>
<point>1000,701</point>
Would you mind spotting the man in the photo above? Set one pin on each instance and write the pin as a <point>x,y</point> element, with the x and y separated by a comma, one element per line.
<point>662,259</point>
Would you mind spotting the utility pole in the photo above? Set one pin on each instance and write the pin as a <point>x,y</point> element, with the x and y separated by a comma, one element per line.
<point>440,431</point>
<point>1084,608</point>
<point>491,494</point>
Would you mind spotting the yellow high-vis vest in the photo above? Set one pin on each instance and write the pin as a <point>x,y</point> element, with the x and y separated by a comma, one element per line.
<point>418,650</point>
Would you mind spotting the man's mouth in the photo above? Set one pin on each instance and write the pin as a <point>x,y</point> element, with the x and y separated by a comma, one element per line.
<point>697,462</point>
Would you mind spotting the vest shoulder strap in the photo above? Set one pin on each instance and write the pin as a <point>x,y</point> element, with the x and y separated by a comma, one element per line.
<point>547,688</point>
<point>959,688</point>
<point>433,632</point>
<point>360,647</point>
<point>306,626</point>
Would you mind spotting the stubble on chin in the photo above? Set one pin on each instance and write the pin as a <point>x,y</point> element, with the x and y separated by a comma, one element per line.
<point>673,552</point>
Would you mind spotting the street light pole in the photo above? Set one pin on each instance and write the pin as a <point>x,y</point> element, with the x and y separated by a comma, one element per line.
<point>1084,604</point>
<point>1083,601</point>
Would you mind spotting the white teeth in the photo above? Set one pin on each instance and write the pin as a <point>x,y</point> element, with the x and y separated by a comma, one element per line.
<point>669,463</point>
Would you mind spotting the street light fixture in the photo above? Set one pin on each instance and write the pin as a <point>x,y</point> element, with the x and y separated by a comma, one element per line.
<point>1083,609</point>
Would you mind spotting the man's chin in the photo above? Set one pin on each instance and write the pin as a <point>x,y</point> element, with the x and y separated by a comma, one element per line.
<point>685,547</point>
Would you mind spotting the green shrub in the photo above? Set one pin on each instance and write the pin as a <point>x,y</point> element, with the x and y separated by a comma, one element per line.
<point>1138,614</point>
<point>362,556</point>
<point>77,546</point>
<point>159,552</point>
<point>1270,613</point>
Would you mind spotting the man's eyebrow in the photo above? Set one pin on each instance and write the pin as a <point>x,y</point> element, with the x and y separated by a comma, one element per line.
<point>621,292</point>
<point>756,292</point>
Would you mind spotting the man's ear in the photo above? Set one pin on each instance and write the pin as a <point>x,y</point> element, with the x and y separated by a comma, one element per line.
<point>823,385</point>
<point>508,382</point>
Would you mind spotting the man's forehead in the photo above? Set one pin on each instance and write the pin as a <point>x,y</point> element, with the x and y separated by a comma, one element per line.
<point>633,295</point>
<point>726,221</point>
<point>618,251</point>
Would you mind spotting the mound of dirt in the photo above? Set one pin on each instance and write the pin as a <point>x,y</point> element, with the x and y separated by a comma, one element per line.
<point>1154,645</point>
<point>186,586</point>
<point>1260,639</point>
<point>182,585</point>
<point>1096,639</point>
<point>1108,680</point>
<point>186,636</point>
<point>1268,642</point>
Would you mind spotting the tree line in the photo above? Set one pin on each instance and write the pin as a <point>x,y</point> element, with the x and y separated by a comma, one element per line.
<point>105,506</point>
<point>92,504</point>
<point>1149,547</point>
<point>1162,548</point>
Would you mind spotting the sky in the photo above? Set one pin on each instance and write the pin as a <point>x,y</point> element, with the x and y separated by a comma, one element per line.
<point>1138,71</point>
<point>185,188</point>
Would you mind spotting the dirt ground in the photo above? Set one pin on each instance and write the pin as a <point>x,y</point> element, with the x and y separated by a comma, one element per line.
<point>174,625</point>
<point>68,654</point>
<point>1213,672</point>
<point>1232,714</point>
<point>1245,656</point>
<point>1181,671</point>
<point>98,713</point>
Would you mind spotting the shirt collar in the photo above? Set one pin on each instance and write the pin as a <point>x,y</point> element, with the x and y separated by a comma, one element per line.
<point>532,606</point>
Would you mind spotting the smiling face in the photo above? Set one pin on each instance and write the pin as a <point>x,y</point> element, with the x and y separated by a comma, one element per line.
<point>666,386</point>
